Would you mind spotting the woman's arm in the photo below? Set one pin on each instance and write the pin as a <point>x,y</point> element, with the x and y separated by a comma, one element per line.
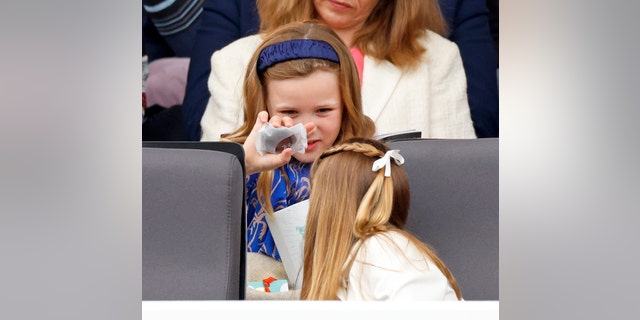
<point>450,114</point>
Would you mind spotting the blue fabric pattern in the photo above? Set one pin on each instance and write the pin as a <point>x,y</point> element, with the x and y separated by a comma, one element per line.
<point>295,49</point>
<point>259,237</point>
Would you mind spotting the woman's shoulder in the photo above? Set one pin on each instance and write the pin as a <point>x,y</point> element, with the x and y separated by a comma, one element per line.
<point>228,65</point>
<point>433,41</point>
<point>243,47</point>
<point>441,54</point>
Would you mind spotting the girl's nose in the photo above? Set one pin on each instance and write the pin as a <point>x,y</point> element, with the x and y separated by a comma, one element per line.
<point>305,118</point>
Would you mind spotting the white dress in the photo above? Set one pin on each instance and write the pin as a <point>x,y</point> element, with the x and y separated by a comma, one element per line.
<point>383,270</point>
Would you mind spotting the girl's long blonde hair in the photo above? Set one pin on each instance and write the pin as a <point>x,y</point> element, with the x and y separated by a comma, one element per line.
<point>392,31</point>
<point>350,203</point>
<point>354,122</point>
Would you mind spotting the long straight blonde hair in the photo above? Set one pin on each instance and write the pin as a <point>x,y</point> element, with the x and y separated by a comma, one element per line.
<point>350,203</point>
<point>391,32</point>
<point>354,122</point>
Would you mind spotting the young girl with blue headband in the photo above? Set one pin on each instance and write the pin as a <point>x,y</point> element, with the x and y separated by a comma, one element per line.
<point>302,73</point>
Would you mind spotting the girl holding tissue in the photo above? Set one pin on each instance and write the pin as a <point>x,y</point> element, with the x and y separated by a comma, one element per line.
<point>355,246</point>
<point>302,83</point>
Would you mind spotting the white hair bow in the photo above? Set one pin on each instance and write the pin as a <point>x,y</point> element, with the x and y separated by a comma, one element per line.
<point>385,162</point>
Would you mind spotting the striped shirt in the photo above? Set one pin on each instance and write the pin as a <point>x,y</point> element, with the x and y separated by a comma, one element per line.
<point>172,16</point>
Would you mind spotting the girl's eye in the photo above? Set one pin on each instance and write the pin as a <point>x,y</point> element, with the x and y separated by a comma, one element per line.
<point>289,112</point>
<point>324,110</point>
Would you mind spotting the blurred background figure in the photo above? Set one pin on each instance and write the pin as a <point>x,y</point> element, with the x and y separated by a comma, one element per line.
<point>168,35</point>
<point>222,23</point>
<point>469,28</point>
<point>494,19</point>
<point>169,27</point>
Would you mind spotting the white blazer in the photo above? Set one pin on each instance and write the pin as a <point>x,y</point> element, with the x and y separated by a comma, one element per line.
<point>431,98</point>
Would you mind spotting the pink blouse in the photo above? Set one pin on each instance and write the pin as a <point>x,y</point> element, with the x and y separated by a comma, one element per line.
<point>358,58</point>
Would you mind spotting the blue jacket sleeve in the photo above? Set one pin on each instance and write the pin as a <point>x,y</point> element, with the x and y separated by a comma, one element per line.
<point>222,22</point>
<point>468,22</point>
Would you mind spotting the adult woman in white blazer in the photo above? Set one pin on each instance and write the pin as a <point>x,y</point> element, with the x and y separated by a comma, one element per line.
<point>411,76</point>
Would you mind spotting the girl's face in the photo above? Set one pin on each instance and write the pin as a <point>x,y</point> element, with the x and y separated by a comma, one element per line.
<point>314,98</point>
<point>344,14</point>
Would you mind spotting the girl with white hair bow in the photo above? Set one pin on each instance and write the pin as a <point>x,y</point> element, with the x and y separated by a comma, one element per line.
<point>355,246</point>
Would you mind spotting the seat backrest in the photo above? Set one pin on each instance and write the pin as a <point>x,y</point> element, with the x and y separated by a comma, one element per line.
<point>454,207</point>
<point>193,229</point>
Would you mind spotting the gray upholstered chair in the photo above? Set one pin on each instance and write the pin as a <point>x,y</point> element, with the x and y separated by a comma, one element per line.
<point>193,229</point>
<point>454,207</point>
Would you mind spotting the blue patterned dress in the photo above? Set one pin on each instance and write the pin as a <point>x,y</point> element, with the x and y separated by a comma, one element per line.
<point>259,237</point>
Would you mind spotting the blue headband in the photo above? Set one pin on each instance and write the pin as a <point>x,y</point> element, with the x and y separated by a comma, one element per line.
<point>295,49</point>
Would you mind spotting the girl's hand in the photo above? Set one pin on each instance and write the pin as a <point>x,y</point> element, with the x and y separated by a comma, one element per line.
<point>253,161</point>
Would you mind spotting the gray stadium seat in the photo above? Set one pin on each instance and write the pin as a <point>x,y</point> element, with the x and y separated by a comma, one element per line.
<point>454,207</point>
<point>193,228</point>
